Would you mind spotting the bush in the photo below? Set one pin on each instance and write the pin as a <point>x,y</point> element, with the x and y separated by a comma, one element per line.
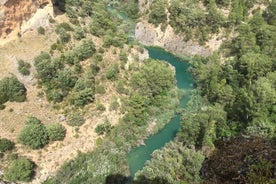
<point>84,97</point>
<point>21,169</point>
<point>5,145</point>
<point>85,50</point>
<point>100,107</point>
<point>114,105</point>
<point>12,90</point>
<point>76,120</point>
<point>112,72</point>
<point>100,89</point>
<point>103,128</point>
<point>79,33</point>
<point>55,132</point>
<point>65,26</point>
<point>33,134</point>
<point>41,30</point>
<point>64,36</point>
<point>23,67</point>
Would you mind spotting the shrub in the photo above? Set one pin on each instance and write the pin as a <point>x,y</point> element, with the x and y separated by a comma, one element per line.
<point>97,57</point>
<point>65,26</point>
<point>6,144</point>
<point>120,87</point>
<point>55,132</point>
<point>76,120</point>
<point>112,72</point>
<point>41,30</point>
<point>23,67</point>
<point>64,36</point>
<point>100,107</point>
<point>12,90</point>
<point>103,128</point>
<point>21,169</point>
<point>100,89</point>
<point>84,97</point>
<point>114,105</point>
<point>85,50</point>
<point>79,33</point>
<point>33,134</point>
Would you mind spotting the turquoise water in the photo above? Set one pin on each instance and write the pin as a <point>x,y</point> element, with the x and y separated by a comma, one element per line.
<point>138,156</point>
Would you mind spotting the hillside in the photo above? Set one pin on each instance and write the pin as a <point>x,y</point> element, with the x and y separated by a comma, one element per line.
<point>78,90</point>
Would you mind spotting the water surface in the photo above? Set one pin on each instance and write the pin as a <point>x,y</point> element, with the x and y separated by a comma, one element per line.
<point>138,156</point>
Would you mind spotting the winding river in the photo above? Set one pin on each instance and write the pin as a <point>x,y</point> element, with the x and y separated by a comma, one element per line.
<point>138,156</point>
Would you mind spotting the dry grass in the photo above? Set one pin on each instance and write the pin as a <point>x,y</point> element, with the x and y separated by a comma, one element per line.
<point>12,118</point>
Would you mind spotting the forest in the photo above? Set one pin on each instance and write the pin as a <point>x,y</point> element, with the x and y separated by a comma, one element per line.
<point>228,127</point>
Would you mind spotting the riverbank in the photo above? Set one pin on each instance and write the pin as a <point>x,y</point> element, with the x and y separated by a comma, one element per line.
<point>138,156</point>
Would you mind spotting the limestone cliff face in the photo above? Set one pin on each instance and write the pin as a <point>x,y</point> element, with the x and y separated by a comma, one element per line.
<point>149,35</point>
<point>15,13</point>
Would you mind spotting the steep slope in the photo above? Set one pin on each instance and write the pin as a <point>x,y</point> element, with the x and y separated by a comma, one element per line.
<point>15,13</point>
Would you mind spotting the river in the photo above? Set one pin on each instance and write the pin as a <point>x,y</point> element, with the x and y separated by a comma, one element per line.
<point>138,156</point>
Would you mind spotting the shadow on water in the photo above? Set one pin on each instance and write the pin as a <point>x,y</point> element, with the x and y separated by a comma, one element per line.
<point>121,179</point>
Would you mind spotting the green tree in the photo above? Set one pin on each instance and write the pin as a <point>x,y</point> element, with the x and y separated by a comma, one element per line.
<point>112,72</point>
<point>5,145</point>
<point>271,12</point>
<point>79,33</point>
<point>65,79</point>
<point>76,119</point>
<point>84,97</point>
<point>137,111</point>
<point>158,13</point>
<point>64,36</point>
<point>33,134</point>
<point>44,67</point>
<point>174,163</point>
<point>154,78</point>
<point>11,89</point>
<point>23,67</point>
<point>85,50</point>
<point>103,128</point>
<point>21,169</point>
<point>55,132</point>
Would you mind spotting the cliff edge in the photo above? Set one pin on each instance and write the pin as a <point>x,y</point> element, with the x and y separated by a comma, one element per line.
<point>18,16</point>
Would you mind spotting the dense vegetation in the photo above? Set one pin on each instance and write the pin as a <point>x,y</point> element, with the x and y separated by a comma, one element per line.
<point>20,169</point>
<point>11,89</point>
<point>5,145</point>
<point>235,95</point>
<point>36,135</point>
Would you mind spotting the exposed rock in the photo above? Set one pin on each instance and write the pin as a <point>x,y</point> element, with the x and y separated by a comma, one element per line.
<point>149,35</point>
<point>15,13</point>
<point>61,118</point>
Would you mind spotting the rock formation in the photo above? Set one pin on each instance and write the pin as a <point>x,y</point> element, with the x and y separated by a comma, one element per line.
<point>150,35</point>
<point>17,13</point>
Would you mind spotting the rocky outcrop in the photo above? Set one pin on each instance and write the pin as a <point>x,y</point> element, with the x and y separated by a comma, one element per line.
<point>15,13</point>
<point>150,35</point>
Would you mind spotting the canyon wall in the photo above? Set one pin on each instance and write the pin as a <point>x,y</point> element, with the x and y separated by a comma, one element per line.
<point>18,16</point>
<point>150,35</point>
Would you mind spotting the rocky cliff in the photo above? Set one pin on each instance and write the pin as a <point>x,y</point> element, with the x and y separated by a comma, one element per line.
<point>16,15</point>
<point>150,35</point>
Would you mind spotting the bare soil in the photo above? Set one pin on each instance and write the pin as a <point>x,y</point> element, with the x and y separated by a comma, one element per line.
<point>12,118</point>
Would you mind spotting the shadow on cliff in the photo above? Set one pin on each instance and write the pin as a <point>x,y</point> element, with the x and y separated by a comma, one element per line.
<point>120,179</point>
<point>59,6</point>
